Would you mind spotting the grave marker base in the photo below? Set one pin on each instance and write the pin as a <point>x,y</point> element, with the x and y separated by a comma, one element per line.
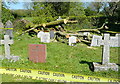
<point>99,67</point>
<point>12,58</point>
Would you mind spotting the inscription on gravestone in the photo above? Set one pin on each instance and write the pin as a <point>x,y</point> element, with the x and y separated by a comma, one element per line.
<point>105,65</point>
<point>9,31</point>
<point>37,53</point>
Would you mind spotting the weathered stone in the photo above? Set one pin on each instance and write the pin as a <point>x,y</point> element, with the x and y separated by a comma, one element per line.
<point>96,40</point>
<point>9,32</point>
<point>1,26</point>
<point>52,34</point>
<point>39,35</point>
<point>7,43</point>
<point>37,53</point>
<point>105,65</point>
<point>72,40</point>
<point>45,37</point>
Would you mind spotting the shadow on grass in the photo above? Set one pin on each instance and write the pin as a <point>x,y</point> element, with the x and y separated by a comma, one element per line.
<point>90,64</point>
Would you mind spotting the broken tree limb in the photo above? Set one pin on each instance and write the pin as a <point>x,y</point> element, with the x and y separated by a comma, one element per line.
<point>50,24</point>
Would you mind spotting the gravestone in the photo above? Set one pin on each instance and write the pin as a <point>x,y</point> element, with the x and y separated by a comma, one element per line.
<point>1,26</point>
<point>9,31</point>
<point>37,53</point>
<point>105,65</point>
<point>52,34</point>
<point>7,43</point>
<point>45,38</point>
<point>95,40</point>
<point>39,35</point>
<point>72,41</point>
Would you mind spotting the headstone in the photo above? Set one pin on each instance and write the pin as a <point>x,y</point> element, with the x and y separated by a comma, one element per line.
<point>95,40</point>
<point>9,31</point>
<point>72,41</point>
<point>45,37</point>
<point>39,35</point>
<point>86,33</point>
<point>105,65</point>
<point>37,53</point>
<point>52,34</point>
<point>7,43</point>
<point>1,26</point>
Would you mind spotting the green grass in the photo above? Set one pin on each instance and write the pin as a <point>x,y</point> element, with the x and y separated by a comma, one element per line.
<point>61,57</point>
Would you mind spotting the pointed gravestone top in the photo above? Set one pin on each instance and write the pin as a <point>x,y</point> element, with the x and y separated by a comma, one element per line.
<point>1,26</point>
<point>9,31</point>
<point>8,24</point>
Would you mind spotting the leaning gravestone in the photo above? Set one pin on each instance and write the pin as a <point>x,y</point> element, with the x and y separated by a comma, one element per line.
<point>37,53</point>
<point>7,43</point>
<point>45,38</point>
<point>72,41</point>
<point>105,65</point>
<point>1,26</point>
<point>9,29</point>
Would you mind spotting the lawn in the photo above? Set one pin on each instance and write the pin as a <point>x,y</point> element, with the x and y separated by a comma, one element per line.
<point>60,58</point>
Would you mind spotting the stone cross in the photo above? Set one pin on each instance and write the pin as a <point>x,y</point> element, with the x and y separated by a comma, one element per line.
<point>9,31</point>
<point>105,65</point>
<point>6,42</point>
<point>106,48</point>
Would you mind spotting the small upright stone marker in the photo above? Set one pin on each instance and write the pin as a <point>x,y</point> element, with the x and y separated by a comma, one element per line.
<point>9,31</point>
<point>52,34</point>
<point>105,65</point>
<point>45,37</point>
<point>7,43</point>
<point>72,40</point>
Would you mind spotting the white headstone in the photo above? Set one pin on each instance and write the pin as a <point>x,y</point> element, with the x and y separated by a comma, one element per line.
<point>39,35</point>
<point>45,37</point>
<point>72,40</point>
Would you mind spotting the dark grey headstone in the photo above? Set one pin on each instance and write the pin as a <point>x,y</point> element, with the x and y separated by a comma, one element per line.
<point>52,34</point>
<point>9,31</point>
<point>1,26</point>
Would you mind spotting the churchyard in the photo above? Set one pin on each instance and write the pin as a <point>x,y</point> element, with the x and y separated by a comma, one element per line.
<point>61,57</point>
<point>77,43</point>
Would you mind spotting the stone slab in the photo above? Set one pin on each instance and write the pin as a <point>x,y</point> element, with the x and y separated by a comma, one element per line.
<point>37,53</point>
<point>99,67</point>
